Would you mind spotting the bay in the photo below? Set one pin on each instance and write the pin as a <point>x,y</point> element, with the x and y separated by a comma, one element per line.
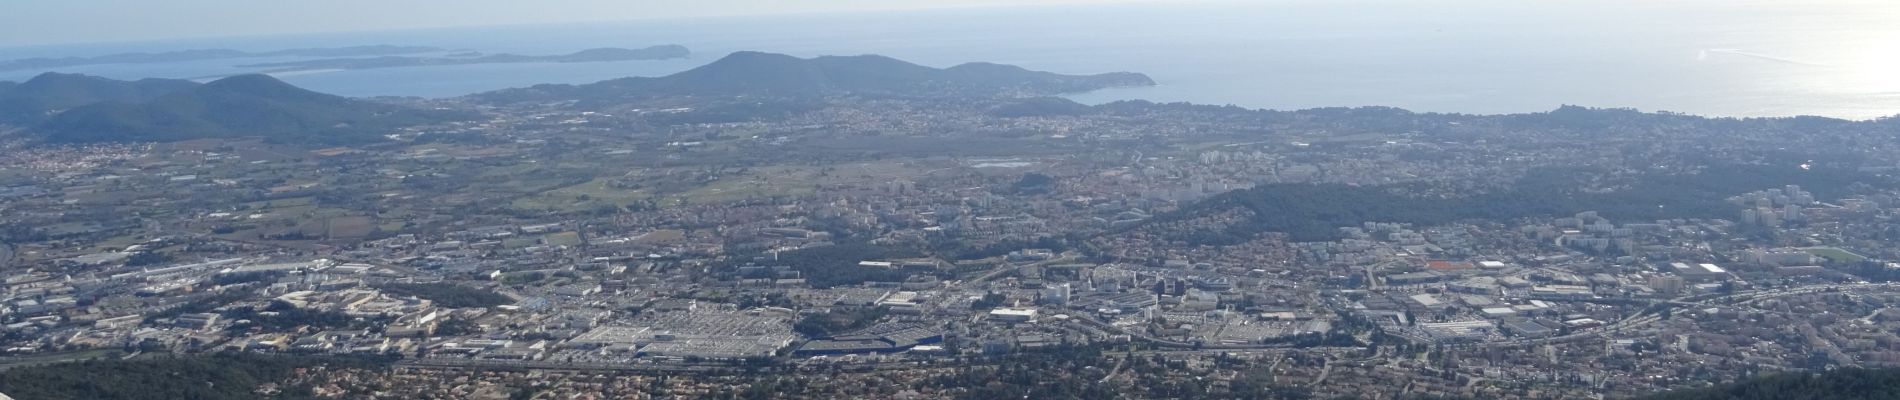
<point>1743,58</point>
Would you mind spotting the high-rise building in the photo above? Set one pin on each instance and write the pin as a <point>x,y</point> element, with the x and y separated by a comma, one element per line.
<point>1056,294</point>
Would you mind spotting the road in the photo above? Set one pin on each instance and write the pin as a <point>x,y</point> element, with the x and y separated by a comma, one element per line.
<point>1118,368</point>
<point>1325,370</point>
<point>6,255</point>
<point>707,367</point>
<point>439,363</point>
<point>1065,258</point>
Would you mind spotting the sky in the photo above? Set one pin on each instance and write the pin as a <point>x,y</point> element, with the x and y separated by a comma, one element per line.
<point>48,22</point>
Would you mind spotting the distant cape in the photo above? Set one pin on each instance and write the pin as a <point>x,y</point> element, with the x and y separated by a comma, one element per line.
<point>606,54</point>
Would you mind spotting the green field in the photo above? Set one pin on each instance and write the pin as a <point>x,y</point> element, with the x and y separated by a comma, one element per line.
<point>519,242</point>
<point>72,228</point>
<point>562,239</point>
<point>305,201</point>
<point>727,190</point>
<point>664,235</point>
<point>673,187</point>
<point>1836,255</point>
<point>119,242</point>
<point>59,357</point>
<point>584,196</point>
<point>391,226</point>
<point>354,227</point>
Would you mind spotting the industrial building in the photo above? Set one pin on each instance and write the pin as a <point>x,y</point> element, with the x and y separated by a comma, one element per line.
<point>1699,272</point>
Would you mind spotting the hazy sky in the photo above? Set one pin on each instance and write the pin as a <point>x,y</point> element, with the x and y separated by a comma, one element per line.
<point>35,22</point>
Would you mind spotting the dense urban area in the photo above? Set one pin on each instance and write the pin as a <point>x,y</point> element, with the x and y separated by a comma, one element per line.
<point>858,227</point>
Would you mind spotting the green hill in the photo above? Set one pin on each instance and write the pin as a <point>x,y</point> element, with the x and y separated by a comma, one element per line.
<point>1842,384</point>
<point>207,377</point>
<point>238,106</point>
<point>31,101</point>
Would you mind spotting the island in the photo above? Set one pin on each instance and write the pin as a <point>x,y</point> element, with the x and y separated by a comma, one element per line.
<point>605,54</point>
<point>757,75</point>
<point>209,54</point>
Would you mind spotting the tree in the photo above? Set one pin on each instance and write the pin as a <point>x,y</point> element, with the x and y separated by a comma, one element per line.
<point>448,294</point>
<point>839,320</point>
<point>990,300</point>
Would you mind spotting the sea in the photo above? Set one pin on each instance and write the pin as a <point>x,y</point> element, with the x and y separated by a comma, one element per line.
<point>1727,58</point>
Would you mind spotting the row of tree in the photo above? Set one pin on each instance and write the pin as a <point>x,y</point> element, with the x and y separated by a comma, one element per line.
<point>1315,212</point>
<point>209,377</point>
<point>448,294</point>
<point>1841,384</point>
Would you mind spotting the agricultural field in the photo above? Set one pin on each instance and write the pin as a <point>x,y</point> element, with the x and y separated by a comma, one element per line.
<point>352,227</point>
<point>585,196</point>
<point>562,239</point>
<point>661,236</point>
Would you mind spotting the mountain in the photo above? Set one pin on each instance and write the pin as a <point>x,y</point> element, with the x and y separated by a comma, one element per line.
<point>30,101</point>
<point>239,106</point>
<point>590,55</point>
<point>767,74</point>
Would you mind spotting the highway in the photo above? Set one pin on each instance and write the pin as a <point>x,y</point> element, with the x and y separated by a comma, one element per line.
<point>1645,317</point>
<point>1165,346</point>
<point>1066,257</point>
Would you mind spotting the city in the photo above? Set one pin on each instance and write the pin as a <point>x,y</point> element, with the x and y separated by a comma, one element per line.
<point>675,247</point>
